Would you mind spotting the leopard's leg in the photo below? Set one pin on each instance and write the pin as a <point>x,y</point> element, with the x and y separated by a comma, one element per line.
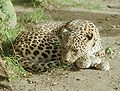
<point>104,66</point>
<point>99,63</point>
<point>83,62</point>
<point>38,66</point>
<point>92,62</point>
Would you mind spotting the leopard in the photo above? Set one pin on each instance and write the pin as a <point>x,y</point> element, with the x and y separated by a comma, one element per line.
<point>47,45</point>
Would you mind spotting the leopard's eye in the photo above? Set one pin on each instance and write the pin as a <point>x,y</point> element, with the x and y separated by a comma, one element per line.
<point>74,50</point>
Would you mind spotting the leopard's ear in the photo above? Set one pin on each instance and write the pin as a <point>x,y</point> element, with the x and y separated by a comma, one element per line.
<point>65,28</point>
<point>65,31</point>
<point>67,25</point>
<point>72,24</point>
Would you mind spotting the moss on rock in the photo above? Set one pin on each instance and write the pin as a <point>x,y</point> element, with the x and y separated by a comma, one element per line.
<point>7,15</point>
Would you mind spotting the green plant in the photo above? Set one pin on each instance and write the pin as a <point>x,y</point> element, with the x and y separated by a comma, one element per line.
<point>46,3</point>
<point>67,2</point>
<point>37,2</point>
<point>14,68</point>
<point>6,39</point>
<point>34,17</point>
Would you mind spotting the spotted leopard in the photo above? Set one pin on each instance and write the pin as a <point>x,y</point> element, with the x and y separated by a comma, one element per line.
<point>44,46</point>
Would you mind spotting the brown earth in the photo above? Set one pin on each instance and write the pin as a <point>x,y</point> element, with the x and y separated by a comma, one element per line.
<point>82,80</point>
<point>107,21</point>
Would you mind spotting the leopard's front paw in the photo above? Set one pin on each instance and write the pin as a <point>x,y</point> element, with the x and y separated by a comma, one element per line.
<point>81,63</point>
<point>104,66</point>
<point>100,64</point>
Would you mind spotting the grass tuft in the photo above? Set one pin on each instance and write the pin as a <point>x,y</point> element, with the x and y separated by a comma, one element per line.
<point>34,17</point>
<point>14,68</point>
<point>6,40</point>
<point>91,5</point>
<point>47,3</point>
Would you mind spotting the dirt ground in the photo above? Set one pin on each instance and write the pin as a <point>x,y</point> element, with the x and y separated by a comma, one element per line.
<point>82,80</point>
<point>88,79</point>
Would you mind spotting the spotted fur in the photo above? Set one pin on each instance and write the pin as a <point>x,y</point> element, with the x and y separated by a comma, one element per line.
<point>44,46</point>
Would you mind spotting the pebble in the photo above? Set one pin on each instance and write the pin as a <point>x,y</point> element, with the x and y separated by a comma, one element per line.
<point>99,77</point>
<point>77,79</point>
<point>64,86</point>
<point>29,82</point>
<point>55,83</point>
<point>113,26</point>
<point>27,75</point>
<point>116,88</point>
<point>65,73</point>
<point>107,19</point>
<point>117,26</point>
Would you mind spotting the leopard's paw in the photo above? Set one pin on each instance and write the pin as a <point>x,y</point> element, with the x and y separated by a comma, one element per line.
<point>104,66</point>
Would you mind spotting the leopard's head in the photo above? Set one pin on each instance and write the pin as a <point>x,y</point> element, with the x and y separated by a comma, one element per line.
<point>78,38</point>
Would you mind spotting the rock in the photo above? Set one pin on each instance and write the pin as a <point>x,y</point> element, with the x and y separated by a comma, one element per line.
<point>117,26</point>
<point>107,19</point>
<point>113,26</point>
<point>7,15</point>
<point>4,79</point>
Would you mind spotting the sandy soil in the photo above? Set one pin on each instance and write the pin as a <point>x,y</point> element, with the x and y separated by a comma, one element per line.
<point>82,80</point>
<point>88,79</point>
